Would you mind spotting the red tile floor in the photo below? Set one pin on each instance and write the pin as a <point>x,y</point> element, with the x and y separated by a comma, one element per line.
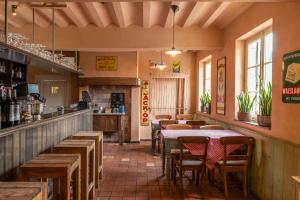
<point>132,172</point>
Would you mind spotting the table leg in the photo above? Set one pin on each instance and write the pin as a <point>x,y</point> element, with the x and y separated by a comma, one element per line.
<point>163,158</point>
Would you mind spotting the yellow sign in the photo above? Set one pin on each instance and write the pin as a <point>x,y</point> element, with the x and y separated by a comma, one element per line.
<point>106,63</point>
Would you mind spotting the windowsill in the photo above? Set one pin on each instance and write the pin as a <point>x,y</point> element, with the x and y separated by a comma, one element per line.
<point>253,124</point>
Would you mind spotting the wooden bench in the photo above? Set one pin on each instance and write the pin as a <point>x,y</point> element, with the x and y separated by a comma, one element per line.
<point>97,136</point>
<point>23,191</point>
<point>86,149</point>
<point>64,169</point>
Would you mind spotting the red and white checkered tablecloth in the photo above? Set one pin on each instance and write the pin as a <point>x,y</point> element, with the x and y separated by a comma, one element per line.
<point>215,150</point>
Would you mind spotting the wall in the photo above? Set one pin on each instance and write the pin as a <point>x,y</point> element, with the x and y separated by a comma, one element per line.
<point>286,30</point>
<point>136,64</point>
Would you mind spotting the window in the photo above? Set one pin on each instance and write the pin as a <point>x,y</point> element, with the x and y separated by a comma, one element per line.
<point>258,64</point>
<point>207,76</point>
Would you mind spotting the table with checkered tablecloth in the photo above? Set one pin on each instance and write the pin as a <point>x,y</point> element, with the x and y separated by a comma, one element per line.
<point>215,148</point>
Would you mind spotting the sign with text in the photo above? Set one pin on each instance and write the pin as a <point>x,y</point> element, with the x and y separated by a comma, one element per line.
<point>145,102</point>
<point>106,63</point>
<point>291,77</point>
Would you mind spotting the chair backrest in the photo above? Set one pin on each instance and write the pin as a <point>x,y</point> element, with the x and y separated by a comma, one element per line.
<point>196,122</point>
<point>202,141</point>
<point>212,127</point>
<point>237,140</point>
<point>184,116</point>
<point>178,126</point>
<point>165,117</point>
<point>166,122</point>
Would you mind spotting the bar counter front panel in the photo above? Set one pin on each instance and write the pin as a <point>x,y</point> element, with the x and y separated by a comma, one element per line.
<point>23,142</point>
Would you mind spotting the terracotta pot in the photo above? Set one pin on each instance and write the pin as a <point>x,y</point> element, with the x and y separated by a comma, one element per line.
<point>264,120</point>
<point>208,108</point>
<point>242,116</point>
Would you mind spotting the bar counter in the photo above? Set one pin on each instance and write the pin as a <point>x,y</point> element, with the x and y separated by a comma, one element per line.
<point>21,143</point>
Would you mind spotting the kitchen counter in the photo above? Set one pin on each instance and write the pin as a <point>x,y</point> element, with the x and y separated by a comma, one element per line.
<point>109,114</point>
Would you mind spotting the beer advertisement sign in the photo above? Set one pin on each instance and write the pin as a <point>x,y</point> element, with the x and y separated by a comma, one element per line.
<point>291,77</point>
<point>145,103</point>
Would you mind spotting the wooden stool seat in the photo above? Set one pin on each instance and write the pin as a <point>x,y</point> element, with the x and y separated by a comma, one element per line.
<point>23,191</point>
<point>97,136</point>
<point>60,168</point>
<point>86,149</point>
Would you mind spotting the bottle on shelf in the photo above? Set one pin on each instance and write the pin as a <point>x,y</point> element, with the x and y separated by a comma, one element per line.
<point>9,109</point>
<point>19,73</point>
<point>2,105</point>
<point>17,116</point>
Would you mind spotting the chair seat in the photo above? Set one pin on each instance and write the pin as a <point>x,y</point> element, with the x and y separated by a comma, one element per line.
<point>177,151</point>
<point>192,163</point>
<point>232,162</point>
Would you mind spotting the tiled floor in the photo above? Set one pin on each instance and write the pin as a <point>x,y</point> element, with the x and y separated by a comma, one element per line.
<point>132,172</point>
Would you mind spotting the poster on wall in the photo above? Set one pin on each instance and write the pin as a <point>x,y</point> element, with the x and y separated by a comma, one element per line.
<point>145,103</point>
<point>291,77</point>
<point>176,66</point>
<point>106,63</point>
<point>221,85</point>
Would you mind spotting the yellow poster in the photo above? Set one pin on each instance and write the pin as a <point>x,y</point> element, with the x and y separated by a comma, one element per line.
<point>106,63</point>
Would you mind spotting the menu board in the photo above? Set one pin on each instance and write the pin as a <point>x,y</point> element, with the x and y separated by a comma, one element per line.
<point>291,77</point>
<point>145,103</point>
<point>106,63</point>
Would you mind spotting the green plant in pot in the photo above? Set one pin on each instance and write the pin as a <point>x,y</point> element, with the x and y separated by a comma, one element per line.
<point>245,106</point>
<point>265,106</point>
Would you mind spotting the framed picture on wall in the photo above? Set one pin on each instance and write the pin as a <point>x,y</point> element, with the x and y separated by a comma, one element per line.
<point>221,86</point>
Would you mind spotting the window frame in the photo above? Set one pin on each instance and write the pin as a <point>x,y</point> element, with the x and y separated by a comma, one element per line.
<point>260,35</point>
<point>204,74</point>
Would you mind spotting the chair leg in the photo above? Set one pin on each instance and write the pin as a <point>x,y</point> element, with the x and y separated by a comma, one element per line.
<point>174,174</point>
<point>193,175</point>
<point>197,178</point>
<point>172,165</point>
<point>245,184</point>
<point>181,180</point>
<point>225,184</point>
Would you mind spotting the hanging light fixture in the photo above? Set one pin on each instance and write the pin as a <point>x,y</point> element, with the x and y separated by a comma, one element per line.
<point>13,10</point>
<point>161,65</point>
<point>173,51</point>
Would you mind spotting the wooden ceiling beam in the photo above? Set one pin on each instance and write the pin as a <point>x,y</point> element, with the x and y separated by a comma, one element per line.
<point>147,14</point>
<point>119,12</point>
<point>193,14</point>
<point>222,7</point>
<point>98,13</point>
<point>75,14</point>
<point>59,19</point>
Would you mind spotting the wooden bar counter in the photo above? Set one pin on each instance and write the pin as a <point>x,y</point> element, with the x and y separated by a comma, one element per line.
<point>23,142</point>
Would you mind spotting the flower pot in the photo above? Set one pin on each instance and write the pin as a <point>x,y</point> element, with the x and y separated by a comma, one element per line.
<point>242,116</point>
<point>264,120</point>
<point>208,108</point>
<point>202,108</point>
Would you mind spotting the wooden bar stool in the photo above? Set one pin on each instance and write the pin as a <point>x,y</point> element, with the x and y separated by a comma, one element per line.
<point>97,136</point>
<point>23,191</point>
<point>61,168</point>
<point>86,149</point>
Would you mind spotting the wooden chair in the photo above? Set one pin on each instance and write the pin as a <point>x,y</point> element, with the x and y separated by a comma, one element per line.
<point>212,127</point>
<point>23,190</point>
<point>190,162</point>
<point>236,162</point>
<point>178,126</point>
<point>59,167</point>
<point>185,116</point>
<point>166,117</point>
<point>196,122</point>
<point>163,123</point>
<point>97,136</point>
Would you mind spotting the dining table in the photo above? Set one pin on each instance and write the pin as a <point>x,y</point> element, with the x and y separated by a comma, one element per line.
<point>215,150</point>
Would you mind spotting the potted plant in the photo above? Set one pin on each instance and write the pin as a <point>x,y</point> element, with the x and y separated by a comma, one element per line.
<point>208,103</point>
<point>245,106</point>
<point>202,101</point>
<point>265,106</point>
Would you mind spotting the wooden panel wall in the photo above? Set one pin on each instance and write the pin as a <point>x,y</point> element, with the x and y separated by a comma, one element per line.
<point>274,161</point>
<point>23,145</point>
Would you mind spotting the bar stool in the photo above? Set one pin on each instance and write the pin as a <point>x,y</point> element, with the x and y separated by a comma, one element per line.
<point>86,149</point>
<point>97,136</point>
<point>23,190</point>
<point>61,168</point>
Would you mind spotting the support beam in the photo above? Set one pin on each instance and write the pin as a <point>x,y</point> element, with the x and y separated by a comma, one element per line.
<point>193,14</point>
<point>222,7</point>
<point>119,12</point>
<point>75,14</point>
<point>146,14</point>
<point>59,19</point>
<point>98,13</point>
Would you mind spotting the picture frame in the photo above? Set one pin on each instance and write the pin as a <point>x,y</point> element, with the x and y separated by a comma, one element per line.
<point>221,86</point>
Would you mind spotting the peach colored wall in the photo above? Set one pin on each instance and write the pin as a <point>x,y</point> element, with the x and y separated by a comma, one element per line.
<point>127,64</point>
<point>286,29</point>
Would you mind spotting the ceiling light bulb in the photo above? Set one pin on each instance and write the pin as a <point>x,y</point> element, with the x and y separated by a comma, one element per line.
<point>13,10</point>
<point>173,52</point>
